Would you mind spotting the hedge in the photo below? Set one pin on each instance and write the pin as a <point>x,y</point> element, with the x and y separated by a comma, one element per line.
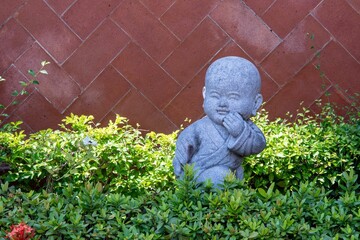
<point>124,160</point>
<point>188,212</point>
<point>85,181</point>
<point>119,157</point>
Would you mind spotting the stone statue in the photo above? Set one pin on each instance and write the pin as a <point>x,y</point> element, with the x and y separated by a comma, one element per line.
<point>217,143</point>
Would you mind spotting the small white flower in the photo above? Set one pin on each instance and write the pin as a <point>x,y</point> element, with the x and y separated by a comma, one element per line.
<point>88,141</point>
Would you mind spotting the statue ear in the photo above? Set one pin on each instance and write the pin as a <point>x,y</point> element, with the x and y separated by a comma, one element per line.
<point>203,92</point>
<point>257,104</point>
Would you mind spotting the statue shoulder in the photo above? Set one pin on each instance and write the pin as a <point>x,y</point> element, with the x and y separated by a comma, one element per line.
<point>195,129</point>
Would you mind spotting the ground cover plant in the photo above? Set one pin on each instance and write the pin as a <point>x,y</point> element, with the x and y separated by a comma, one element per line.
<point>189,212</point>
<point>86,181</point>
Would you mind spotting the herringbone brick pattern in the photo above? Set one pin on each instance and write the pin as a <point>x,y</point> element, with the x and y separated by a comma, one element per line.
<point>146,59</point>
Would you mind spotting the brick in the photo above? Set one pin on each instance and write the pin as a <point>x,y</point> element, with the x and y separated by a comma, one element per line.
<point>305,87</point>
<point>295,51</point>
<point>138,109</point>
<point>340,67</point>
<point>343,22</point>
<point>158,7</point>
<point>101,95</point>
<point>295,12</point>
<point>145,29</point>
<point>38,113</point>
<point>268,86</point>
<point>14,41</point>
<point>184,16</point>
<point>337,99</point>
<point>59,93</point>
<point>48,29</point>
<point>195,51</point>
<point>96,53</point>
<point>12,78</point>
<point>248,30</point>
<point>15,118</point>
<point>110,116</point>
<point>150,79</point>
<point>259,6</point>
<point>355,4</point>
<point>188,103</point>
<point>231,49</point>
<point>8,8</point>
<point>60,6</point>
<point>85,15</point>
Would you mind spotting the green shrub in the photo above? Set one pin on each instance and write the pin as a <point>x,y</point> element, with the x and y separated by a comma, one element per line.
<point>188,212</point>
<point>123,160</point>
<point>91,182</point>
<point>117,156</point>
<point>317,148</point>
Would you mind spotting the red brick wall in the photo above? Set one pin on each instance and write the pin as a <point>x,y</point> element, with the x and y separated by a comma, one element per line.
<point>145,59</point>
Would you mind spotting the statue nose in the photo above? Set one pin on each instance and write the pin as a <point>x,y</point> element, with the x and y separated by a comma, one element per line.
<point>223,102</point>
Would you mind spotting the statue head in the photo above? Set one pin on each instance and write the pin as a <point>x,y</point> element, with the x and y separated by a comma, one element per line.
<point>232,84</point>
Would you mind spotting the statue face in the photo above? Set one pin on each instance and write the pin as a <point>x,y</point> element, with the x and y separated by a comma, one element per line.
<point>229,95</point>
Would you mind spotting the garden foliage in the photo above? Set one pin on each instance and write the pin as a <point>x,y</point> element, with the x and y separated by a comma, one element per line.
<point>119,158</point>
<point>188,212</point>
<point>318,148</point>
<point>114,182</point>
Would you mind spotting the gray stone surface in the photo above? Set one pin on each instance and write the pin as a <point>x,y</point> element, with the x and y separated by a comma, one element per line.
<point>217,143</point>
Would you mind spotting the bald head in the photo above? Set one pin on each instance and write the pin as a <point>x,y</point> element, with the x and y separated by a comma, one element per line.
<point>231,68</point>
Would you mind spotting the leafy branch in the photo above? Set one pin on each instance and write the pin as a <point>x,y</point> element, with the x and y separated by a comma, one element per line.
<point>23,91</point>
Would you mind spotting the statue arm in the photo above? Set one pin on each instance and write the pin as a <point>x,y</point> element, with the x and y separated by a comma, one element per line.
<point>186,146</point>
<point>250,141</point>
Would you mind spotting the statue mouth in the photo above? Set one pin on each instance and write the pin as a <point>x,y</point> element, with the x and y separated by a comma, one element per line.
<point>222,111</point>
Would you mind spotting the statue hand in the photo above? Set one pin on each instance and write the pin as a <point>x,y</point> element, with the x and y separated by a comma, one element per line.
<point>234,123</point>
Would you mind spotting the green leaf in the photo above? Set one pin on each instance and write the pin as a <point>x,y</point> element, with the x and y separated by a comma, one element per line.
<point>270,190</point>
<point>281,184</point>
<point>271,177</point>
<point>36,82</point>
<point>14,102</point>
<point>31,72</point>
<point>254,235</point>
<point>15,93</point>
<point>23,84</point>
<point>5,186</point>
<point>2,106</point>
<point>23,92</point>
<point>262,192</point>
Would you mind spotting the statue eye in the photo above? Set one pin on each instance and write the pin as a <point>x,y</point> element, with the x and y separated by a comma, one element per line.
<point>214,95</point>
<point>234,96</point>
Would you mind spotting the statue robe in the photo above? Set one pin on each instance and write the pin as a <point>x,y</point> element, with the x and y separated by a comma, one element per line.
<point>213,151</point>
